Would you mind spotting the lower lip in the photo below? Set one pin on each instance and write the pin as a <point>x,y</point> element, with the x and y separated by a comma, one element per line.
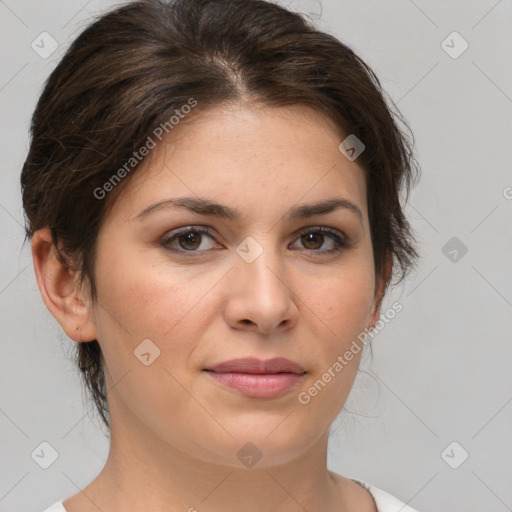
<point>258,385</point>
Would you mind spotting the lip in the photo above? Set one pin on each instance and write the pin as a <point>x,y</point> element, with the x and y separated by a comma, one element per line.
<point>258,366</point>
<point>257,378</point>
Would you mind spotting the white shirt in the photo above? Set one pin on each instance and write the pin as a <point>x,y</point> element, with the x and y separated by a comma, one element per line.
<point>385,502</point>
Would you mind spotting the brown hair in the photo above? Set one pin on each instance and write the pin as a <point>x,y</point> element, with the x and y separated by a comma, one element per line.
<point>133,67</point>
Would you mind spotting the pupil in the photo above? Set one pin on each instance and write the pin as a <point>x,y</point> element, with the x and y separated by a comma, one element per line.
<point>189,240</point>
<point>310,237</point>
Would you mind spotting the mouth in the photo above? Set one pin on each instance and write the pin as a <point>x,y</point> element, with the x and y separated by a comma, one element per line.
<point>257,378</point>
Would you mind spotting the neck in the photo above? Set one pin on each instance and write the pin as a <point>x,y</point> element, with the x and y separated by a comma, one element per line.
<point>144,473</point>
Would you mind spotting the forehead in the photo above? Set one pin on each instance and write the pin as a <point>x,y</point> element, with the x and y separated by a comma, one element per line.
<point>248,156</point>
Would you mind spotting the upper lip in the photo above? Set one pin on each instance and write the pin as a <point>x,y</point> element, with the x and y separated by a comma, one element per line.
<point>254,365</point>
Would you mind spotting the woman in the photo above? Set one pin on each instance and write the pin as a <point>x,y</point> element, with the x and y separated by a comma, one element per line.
<point>212,195</point>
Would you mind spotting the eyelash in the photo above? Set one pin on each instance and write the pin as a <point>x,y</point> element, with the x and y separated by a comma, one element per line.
<point>342,242</point>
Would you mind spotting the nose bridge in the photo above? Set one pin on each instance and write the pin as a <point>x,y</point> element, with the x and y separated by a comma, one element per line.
<point>261,259</point>
<point>262,293</point>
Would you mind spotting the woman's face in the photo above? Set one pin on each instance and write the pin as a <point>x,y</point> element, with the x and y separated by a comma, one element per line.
<point>260,284</point>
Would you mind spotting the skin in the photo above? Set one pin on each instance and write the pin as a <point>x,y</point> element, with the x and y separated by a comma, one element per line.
<point>175,432</point>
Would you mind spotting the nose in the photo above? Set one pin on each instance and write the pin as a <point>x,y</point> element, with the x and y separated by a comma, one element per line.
<point>261,297</point>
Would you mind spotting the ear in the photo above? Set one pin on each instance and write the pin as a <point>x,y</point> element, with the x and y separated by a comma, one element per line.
<point>380,289</point>
<point>59,289</point>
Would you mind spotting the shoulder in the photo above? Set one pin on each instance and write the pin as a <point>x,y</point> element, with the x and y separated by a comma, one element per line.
<point>56,507</point>
<point>385,502</point>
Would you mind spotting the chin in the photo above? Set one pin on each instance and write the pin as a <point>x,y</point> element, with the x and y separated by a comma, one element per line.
<point>258,447</point>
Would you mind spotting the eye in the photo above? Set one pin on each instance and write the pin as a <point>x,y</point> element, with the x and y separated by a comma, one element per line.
<point>192,240</point>
<point>189,239</point>
<point>314,238</point>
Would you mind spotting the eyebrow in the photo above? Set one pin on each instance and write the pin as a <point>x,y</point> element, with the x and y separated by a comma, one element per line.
<point>214,209</point>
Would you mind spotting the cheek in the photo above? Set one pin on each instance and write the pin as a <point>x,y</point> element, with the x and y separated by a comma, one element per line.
<point>134,290</point>
<point>340,310</point>
<point>142,299</point>
<point>344,302</point>
<point>155,303</point>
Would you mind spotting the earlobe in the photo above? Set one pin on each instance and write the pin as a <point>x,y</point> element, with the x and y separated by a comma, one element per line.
<point>59,289</point>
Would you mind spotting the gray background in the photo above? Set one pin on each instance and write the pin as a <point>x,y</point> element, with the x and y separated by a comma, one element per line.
<point>441,369</point>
